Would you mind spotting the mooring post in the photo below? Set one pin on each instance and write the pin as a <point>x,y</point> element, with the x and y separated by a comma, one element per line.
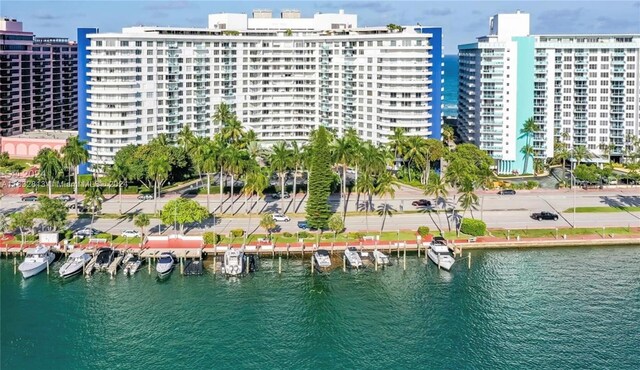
<point>279,264</point>
<point>398,248</point>
<point>404,259</point>
<point>149,264</point>
<point>181,265</point>
<point>312,264</point>
<point>375,259</point>
<point>603,232</point>
<point>344,263</point>
<point>469,262</point>
<point>15,265</point>
<point>48,263</point>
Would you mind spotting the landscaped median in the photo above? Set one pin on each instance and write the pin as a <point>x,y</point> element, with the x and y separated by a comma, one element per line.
<point>603,209</point>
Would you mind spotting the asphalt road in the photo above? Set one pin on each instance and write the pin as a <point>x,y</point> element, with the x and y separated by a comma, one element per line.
<point>497,211</point>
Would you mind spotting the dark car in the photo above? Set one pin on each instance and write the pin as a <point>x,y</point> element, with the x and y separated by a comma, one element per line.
<point>30,198</point>
<point>421,203</point>
<point>81,208</point>
<point>86,232</point>
<point>303,225</point>
<point>64,197</point>
<point>277,195</point>
<point>507,192</point>
<point>544,216</point>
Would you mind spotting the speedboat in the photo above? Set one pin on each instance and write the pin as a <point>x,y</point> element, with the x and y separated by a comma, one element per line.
<point>353,257</point>
<point>439,253</point>
<point>234,263</point>
<point>165,264</point>
<point>322,260</point>
<point>36,261</point>
<point>104,258</point>
<point>74,264</point>
<point>380,258</point>
<point>131,264</point>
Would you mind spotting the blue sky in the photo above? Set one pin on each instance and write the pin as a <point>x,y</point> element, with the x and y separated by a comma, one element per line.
<point>462,21</point>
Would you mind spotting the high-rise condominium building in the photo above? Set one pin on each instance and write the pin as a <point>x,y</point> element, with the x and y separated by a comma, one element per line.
<point>282,77</point>
<point>38,81</point>
<point>579,89</point>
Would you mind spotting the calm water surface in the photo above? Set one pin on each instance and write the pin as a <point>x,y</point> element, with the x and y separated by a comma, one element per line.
<point>538,308</point>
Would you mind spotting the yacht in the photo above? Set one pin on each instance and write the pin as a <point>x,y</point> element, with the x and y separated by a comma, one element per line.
<point>380,258</point>
<point>322,260</point>
<point>104,258</point>
<point>234,263</point>
<point>131,264</point>
<point>353,257</point>
<point>37,259</point>
<point>74,264</point>
<point>439,253</point>
<point>165,264</point>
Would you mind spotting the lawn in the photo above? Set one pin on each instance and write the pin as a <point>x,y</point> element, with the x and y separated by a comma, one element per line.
<point>602,209</point>
<point>551,233</point>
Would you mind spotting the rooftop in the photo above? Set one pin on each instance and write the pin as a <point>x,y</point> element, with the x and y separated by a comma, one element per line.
<point>46,134</point>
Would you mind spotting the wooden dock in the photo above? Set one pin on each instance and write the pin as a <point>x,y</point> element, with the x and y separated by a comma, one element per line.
<point>89,267</point>
<point>113,267</point>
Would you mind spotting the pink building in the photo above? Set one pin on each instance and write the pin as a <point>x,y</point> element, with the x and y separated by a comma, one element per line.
<point>27,145</point>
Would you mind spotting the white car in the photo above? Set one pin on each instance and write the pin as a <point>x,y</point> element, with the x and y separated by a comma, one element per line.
<point>130,234</point>
<point>278,217</point>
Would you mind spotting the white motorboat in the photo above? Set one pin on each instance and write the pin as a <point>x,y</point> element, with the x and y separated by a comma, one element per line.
<point>322,260</point>
<point>36,261</point>
<point>380,258</point>
<point>353,257</point>
<point>440,255</point>
<point>104,258</point>
<point>165,264</point>
<point>74,264</point>
<point>234,263</point>
<point>131,264</point>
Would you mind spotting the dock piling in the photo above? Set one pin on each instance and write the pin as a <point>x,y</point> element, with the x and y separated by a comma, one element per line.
<point>344,263</point>
<point>469,261</point>
<point>375,259</point>
<point>312,265</point>
<point>149,265</point>
<point>404,259</point>
<point>181,265</point>
<point>279,264</point>
<point>48,263</point>
<point>15,265</point>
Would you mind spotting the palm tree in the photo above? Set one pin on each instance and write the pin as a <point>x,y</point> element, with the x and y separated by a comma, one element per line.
<point>356,144</point>
<point>305,160</point>
<point>235,161</point>
<point>51,166</point>
<point>233,132</point>
<point>158,170</point>
<point>468,200</point>
<point>397,143</point>
<point>528,151</point>
<point>268,223</point>
<point>280,160</point>
<point>415,153</point>
<point>209,164</point>
<point>296,163</point>
<point>119,173</point>
<point>222,114</point>
<point>74,154</point>
<point>580,153</point>
<point>437,188</point>
<point>198,153</point>
<point>93,200</point>
<point>385,186</point>
<point>448,134</point>
<point>342,152</point>
<point>255,181</point>
<point>528,130</point>
<point>141,221</point>
<point>186,139</point>
<point>366,185</point>
<point>248,138</point>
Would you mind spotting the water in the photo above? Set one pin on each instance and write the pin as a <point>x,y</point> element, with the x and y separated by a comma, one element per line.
<point>536,308</point>
<point>450,94</point>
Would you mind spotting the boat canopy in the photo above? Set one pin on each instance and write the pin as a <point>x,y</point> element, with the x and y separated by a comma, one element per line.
<point>37,250</point>
<point>77,254</point>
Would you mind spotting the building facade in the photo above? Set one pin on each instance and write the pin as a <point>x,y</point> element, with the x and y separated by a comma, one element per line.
<point>283,77</point>
<point>38,83</point>
<point>579,89</point>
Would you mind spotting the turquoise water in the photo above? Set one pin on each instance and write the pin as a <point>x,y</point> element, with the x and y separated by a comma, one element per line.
<point>450,94</point>
<point>537,308</point>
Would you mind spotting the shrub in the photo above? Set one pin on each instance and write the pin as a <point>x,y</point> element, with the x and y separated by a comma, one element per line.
<point>473,227</point>
<point>531,184</point>
<point>287,234</point>
<point>107,236</point>
<point>423,231</point>
<point>211,238</point>
<point>303,234</point>
<point>68,234</point>
<point>356,235</point>
<point>237,233</point>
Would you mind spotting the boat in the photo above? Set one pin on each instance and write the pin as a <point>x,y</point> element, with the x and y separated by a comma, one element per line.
<point>380,258</point>
<point>104,258</point>
<point>131,264</point>
<point>322,260</point>
<point>234,263</point>
<point>353,257</point>
<point>36,261</point>
<point>74,264</point>
<point>439,253</point>
<point>165,264</point>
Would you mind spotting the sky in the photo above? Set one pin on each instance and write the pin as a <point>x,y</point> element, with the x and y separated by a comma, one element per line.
<point>462,21</point>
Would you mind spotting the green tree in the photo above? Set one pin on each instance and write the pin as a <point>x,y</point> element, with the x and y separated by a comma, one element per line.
<point>448,134</point>
<point>4,220</point>
<point>336,224</point>
<point>119,174</point>
<point>211,153</point>
<point>74,153</point>
<point>233,132</point>
<point>397,143</point>
<point>186,139</point>
<point>51,167</point>
<point>281,161</point>
<point>434,151</point>
<point>588,173</point>
<point>385,187</point>
<point>183,211</point>
<point>23,221</point>
<point>296,164</point>
<point>366,185</point>
<point>222,115</point>
<point>318,209</point>
<point>528,152</point>
<point>158,169</point>
<point>268,223</point>
<point>342,152</point>
<point>53,212</point>
<point>93,200</point>
<point>416,152</point>
<point>581,153</point>
<point>437,188</point>
<point>528,130</point>
<point>468,200</point>
<point>235,161</point>
<point>142,221</point>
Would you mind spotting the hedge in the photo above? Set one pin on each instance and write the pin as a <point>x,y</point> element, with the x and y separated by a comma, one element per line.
<point>211,238</point>
<point>473,227</point>
<point>423,231</point>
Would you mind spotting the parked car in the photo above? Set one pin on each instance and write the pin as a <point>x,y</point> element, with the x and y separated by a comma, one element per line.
<point>421,203</point>
<point>86,232</point>
<point>81,208</point>
<point>130,234</point>
<point>145,196</point>
<point>544,215</point>
<point>277,195</point>
<point>507,192</point>
<point>30,198</point>
<point>303,225</point>
<point>278,217</point>
<point>63,197</point>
